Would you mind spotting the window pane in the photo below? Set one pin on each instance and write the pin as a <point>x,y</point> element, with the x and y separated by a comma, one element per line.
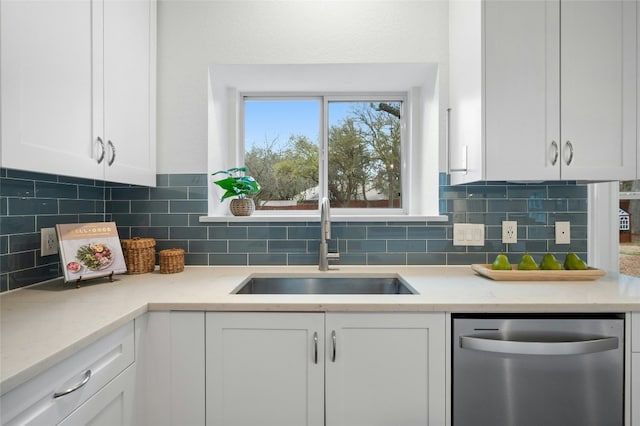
<point>281,152</point>
<point>364,154</point>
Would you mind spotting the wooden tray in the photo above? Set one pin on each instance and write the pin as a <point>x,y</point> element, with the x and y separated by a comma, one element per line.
<point>537,275</point>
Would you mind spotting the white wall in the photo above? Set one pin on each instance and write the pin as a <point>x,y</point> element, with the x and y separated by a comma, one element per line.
<point>194,34</point>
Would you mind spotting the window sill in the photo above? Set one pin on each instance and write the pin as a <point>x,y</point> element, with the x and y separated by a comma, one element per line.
<point>316,218</point>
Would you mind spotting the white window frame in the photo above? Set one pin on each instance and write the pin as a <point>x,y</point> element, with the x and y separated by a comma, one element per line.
<point>323,142</point>
<point>424,129</point>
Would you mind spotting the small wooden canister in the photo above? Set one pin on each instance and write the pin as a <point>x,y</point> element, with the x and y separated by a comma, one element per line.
<point>139,255</point>
<point>171,261</point>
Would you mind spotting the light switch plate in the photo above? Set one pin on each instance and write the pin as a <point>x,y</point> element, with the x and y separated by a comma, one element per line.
<point>563,232</point>
<point>468,234</point>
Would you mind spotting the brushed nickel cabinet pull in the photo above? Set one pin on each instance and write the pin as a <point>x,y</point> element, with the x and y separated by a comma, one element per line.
<point>101,143</point>
<point>113,153</point>
<point>556,151</point>
<point>333,346</point>
<point>448,138</point>
<point>315,347</point>
<point>569,145</point>
<point>85,380</point>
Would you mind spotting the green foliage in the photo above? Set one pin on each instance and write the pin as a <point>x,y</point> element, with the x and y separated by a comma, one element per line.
<point>350,163</point>
<point>236,185</point>
<point>287,173</point>
<point>363,156</point>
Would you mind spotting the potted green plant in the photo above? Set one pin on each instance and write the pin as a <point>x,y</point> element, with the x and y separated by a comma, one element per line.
<point>236,184</point>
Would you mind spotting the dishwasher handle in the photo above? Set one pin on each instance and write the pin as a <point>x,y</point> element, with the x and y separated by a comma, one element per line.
<point>539,348</point>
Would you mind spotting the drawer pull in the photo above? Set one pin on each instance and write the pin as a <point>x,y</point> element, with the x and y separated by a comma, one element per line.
<point>85,380</point>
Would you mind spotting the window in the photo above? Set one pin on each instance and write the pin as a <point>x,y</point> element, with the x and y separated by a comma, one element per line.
<point>346,148</point>
<point>365,135</point>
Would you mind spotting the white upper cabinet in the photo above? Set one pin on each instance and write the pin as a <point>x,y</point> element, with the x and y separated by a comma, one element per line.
<point>128,91</point>
<point>598,89</point>
<point>78,81</point>
<point>46,88</point>
<point>542,90</point>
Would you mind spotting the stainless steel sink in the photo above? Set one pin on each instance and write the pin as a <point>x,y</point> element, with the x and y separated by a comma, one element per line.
<point>324,285</point>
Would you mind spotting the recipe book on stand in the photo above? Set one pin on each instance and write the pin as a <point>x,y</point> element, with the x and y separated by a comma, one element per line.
<point>90,250</point>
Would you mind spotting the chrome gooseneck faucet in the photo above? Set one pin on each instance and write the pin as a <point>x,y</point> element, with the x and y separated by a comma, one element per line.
<point>325,234</point>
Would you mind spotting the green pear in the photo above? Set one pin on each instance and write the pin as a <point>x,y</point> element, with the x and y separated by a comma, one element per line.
<point>573,262</point>
<point>549,262</point>
<point>527,263</point>
<point>501,263</point>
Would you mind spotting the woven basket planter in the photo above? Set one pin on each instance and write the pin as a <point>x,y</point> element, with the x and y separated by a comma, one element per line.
<point>242,206</point>
<point>139,255</point>
<point>171,261</point>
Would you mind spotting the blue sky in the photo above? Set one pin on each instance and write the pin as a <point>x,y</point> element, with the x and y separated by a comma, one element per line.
<point>270,119</point>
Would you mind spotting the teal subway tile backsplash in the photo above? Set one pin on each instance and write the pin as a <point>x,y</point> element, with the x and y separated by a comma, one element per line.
<point>170,213</point>
<point>30,202</point>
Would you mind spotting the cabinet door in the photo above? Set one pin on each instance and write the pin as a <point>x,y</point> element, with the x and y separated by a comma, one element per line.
<point>385,369</point>
<point>465,116</point>
<point>113,405</point>
<point>45,79</point>
<point>635,389</point>
<point>598,89</point>
<point>522,115</point>
<point>170,368</point>
<point>129,91</point>
<point>265,369</point>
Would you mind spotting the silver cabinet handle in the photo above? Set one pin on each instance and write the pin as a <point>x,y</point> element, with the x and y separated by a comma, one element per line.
<point>315,347</point>
<point>448,139</point>
<point>333,346</point>
<point>569,145</point>
<point>85,380</point>
<point>539,348</point>
<point>556,151</point>
<point>113,153</point>
<point>101,143</point>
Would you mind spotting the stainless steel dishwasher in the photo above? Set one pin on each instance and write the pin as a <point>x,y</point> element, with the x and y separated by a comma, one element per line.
<point>538,370</point>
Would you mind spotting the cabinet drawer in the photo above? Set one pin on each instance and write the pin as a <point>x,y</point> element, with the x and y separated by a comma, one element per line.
<point>35,401</point>
<point>112,405</point>
<point>635,332</point>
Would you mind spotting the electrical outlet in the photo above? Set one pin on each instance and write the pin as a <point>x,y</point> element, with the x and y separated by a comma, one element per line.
<point>563,232</point>
<point>48,241</point>
<point>509,232</point>
<point>468,234</point>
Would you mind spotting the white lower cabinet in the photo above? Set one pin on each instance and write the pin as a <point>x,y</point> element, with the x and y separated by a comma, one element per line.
<point>385,369</point>
<point>170,369</point>
<point>265,369</point>
<point>94,383</point>
<point>345,369</point>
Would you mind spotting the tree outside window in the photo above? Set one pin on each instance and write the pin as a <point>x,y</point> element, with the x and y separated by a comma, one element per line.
<point>363,150</point>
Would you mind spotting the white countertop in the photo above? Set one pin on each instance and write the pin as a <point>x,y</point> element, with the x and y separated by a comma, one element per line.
<point>41,325</point>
